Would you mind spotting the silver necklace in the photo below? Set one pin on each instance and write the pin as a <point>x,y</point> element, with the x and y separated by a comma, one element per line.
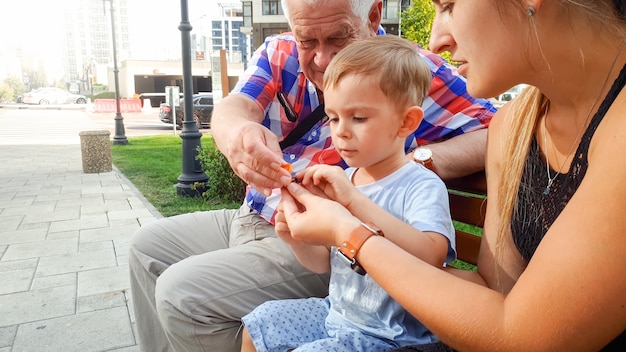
<point>578,135</point>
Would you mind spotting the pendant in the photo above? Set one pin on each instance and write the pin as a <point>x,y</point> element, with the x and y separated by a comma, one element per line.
<point>547,190</point>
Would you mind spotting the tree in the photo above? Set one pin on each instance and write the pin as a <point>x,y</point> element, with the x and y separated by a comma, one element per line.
<point>416,22</point>
<point>16,84</point>
<point>6,93</point>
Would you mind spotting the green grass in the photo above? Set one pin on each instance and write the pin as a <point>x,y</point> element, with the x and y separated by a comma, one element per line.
<point>153,164</point>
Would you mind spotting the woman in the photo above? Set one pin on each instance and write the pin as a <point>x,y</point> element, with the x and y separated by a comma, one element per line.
<point>552,267</point>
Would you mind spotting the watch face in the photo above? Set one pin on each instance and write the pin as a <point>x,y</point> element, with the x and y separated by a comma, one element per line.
<point>422,154</point>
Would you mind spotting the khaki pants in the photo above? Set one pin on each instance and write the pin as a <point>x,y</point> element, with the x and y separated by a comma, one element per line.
<point>194,276</point>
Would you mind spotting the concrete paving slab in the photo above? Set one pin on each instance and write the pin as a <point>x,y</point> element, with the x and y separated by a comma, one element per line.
<point>41,249</point>
<point>67,263</point>
<point>7,336</point>
<point>87,332</point>
<point>16,280</point>
<point>103,280</point>
<point>23,236</point>
<point>36,305</point>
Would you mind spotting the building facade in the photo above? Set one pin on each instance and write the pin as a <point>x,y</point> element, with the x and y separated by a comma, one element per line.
<point>264,18</point>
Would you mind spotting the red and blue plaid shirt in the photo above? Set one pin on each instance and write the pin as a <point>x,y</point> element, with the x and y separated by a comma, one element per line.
<point>448,109</point>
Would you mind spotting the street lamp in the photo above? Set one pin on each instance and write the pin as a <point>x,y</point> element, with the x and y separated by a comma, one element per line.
<point>192,180</point>
<point>119,137</point>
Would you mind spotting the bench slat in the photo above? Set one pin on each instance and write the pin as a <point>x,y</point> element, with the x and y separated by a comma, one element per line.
<point>468,204</point>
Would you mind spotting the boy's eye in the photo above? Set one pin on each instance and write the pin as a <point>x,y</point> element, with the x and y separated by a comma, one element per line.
<point>359,119</point>
<point>333,119</point>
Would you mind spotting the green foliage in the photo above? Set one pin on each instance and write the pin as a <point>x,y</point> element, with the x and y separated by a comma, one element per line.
<point>224,185</point>
<point>105,95</point>
<point>153,164</point>
<point>6,93</point>
<point>16,84</point>
<point>417,22</point>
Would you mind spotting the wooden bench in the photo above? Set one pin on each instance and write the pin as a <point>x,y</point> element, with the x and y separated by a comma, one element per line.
<point>468,203</point>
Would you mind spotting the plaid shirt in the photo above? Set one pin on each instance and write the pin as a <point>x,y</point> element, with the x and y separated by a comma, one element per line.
<point>448,109</point>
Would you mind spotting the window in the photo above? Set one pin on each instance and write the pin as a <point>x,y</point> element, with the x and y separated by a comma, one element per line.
<point>272,7</point>
<point>247,13</point>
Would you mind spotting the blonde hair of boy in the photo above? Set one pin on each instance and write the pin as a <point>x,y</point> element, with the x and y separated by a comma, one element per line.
<point>404,76</point>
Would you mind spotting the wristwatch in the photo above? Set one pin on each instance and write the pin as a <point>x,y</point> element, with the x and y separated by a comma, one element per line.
<point>348,250</point>
<point>424,156</point>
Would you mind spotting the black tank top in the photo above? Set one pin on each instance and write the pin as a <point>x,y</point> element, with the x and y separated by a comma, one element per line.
<point>535,211</point>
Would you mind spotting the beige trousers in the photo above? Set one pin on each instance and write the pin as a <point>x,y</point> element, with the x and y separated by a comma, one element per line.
<point>194,276</point>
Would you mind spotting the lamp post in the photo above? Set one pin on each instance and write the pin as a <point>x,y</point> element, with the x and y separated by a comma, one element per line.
<point>119,137</point>
<point>192,180</point>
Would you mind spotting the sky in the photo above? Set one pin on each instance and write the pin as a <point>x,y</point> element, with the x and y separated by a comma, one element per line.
<point>36,25</point>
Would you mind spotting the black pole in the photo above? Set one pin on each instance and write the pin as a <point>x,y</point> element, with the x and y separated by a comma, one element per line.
<point>192,180</point>
<point>119,137</point>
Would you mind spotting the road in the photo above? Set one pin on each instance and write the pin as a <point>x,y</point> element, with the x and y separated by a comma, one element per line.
<point>20,124</point>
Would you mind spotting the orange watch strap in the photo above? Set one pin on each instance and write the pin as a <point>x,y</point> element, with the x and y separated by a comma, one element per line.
<point>358,236</point>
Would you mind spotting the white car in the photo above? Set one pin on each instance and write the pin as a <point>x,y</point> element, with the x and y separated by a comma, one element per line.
<point>52,95</point>
<point>512,93</point>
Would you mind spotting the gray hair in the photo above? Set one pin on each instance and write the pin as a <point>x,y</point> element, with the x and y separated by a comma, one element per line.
<point>360,8</point>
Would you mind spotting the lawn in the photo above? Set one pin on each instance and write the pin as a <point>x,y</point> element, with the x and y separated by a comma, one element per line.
<point>153,164</point>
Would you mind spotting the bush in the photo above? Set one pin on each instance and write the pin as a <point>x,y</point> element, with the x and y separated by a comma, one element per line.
<point>105,95</point>
<point>223,185</point>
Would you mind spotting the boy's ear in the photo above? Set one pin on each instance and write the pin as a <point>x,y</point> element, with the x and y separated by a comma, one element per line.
<point>412,119</point>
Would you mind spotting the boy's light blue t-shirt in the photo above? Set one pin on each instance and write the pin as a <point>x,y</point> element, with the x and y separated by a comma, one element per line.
<point>418,197</point>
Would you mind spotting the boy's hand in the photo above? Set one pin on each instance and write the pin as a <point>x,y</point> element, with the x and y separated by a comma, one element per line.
<point>330,182</point>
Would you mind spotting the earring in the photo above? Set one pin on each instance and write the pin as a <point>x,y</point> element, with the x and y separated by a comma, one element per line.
<point>530,12</point>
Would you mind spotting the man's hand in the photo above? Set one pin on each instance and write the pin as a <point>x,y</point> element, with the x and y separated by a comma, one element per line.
<point>252,149</point>
<point>254,155</point>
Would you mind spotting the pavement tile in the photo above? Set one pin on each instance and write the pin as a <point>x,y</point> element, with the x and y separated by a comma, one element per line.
<point>103,280</point>
<point>7,336</point>
<point>87,199</point>
<point>64,234</point>
<point>118,205</point>
<point>10,222</point>
<point>41,249</point>
<point>36,305</point>
<point>26,209</point>
<point>15,202</point>
<point>59,214</point>
<point>85,222</point>
<point>87,332</point>
<point>61,264</point>
<point>54,281</point>
<point>101,301</point>
<point>18,264</point>
<point>22,236</point>
<point>16,280</point>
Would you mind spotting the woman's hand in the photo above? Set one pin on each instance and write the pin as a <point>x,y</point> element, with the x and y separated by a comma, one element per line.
<point>314,219</point>
<point>330,182</point>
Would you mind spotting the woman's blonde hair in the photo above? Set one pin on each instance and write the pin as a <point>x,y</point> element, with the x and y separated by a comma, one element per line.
<point>529,106</point>
<point>404,75</point>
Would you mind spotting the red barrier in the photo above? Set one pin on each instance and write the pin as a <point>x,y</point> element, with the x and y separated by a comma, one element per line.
<point>108,105</point>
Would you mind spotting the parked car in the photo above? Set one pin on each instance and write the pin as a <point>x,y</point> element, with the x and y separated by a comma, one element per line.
<point>202,110</point>
<point>52,95</point>
<point>512,93</point>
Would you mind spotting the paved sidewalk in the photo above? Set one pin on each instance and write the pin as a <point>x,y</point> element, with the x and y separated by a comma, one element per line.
<point>63,240</point>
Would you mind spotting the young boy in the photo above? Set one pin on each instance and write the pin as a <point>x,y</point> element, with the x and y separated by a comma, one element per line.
<point>373,90</point>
